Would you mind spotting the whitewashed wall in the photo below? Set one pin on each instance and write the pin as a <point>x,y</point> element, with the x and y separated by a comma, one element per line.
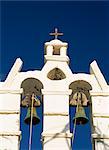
<point>56,125</point>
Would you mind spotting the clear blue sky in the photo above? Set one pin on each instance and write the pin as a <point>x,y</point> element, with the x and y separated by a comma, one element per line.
<point>25,26</point>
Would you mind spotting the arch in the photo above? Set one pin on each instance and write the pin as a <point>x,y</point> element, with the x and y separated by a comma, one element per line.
<point>30,85</point>
<point>56,74</point>
<point>80,86</point>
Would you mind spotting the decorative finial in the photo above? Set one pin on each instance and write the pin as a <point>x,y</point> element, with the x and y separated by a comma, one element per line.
<point>56,34</point>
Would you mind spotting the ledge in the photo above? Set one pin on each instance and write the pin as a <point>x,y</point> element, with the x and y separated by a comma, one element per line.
<point>57,135</point>
<point>57,58</point>
<point>98,136</point>
<point>68,92</point>
<point>11,91</point>
<point>6,112</point>
<point>56,114</point>
<point>99,93</point>
<point>10,133</point>
<point>102,115</point>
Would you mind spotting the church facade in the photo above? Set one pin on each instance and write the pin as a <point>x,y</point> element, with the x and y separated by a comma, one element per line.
<point>59,88</point>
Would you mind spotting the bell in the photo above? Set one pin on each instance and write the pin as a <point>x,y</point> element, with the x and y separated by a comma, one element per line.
<point>35,118</point>
<point>80,116</point>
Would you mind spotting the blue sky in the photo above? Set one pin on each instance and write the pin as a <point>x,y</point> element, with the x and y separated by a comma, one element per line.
<point>25,26</point>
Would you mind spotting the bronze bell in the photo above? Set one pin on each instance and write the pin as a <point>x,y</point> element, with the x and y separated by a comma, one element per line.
<point>80,116</point>
<point>35,118</point>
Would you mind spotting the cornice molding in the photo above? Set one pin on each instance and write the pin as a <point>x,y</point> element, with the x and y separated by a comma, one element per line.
<point>67,92</point>
<point>11,91</point>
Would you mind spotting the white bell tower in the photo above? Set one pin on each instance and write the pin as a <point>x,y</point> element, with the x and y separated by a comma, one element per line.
<point>56,128</point>
<point>56,85</point>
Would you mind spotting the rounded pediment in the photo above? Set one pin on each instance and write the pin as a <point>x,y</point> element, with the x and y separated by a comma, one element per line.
<point>56,42</point>
<point>56,74</point>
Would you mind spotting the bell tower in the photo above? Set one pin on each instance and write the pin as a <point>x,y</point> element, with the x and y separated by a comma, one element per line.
<point>56,128</point>
<point>56,87</point>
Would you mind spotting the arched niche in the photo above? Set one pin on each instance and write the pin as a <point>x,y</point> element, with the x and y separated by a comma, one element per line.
<point>56,74</point>
<point>32,88</point>
<point>80,86</point>
<point>30,85</point>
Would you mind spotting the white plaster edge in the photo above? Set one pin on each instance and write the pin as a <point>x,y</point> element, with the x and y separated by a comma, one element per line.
<point>11,91</point>
<point>94,69</point>
<point>6,112</point>
<point>57,58</point>
<point>56,42</point>
<point>101,115</point>
<point>13,72</point>
<point>44,92</point>
<point>4,133</point>
<point>99,93</point>
<point>100,136</point>
<point>58,135</point>
<point>56,114</point>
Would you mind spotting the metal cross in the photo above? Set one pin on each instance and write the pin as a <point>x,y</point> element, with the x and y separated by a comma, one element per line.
<point>56,34</point>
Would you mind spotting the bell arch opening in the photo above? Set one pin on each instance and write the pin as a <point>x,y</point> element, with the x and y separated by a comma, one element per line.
<point>80,112</point>
<point>30,85</point>
<point>56,74</point>
<point>80,86</point>
<point>31,105</point>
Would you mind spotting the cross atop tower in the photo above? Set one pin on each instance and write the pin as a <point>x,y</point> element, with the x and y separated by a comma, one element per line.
<point>56,34</point>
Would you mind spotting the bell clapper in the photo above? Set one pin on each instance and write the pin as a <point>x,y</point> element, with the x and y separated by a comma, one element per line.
<point>80,115</point>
